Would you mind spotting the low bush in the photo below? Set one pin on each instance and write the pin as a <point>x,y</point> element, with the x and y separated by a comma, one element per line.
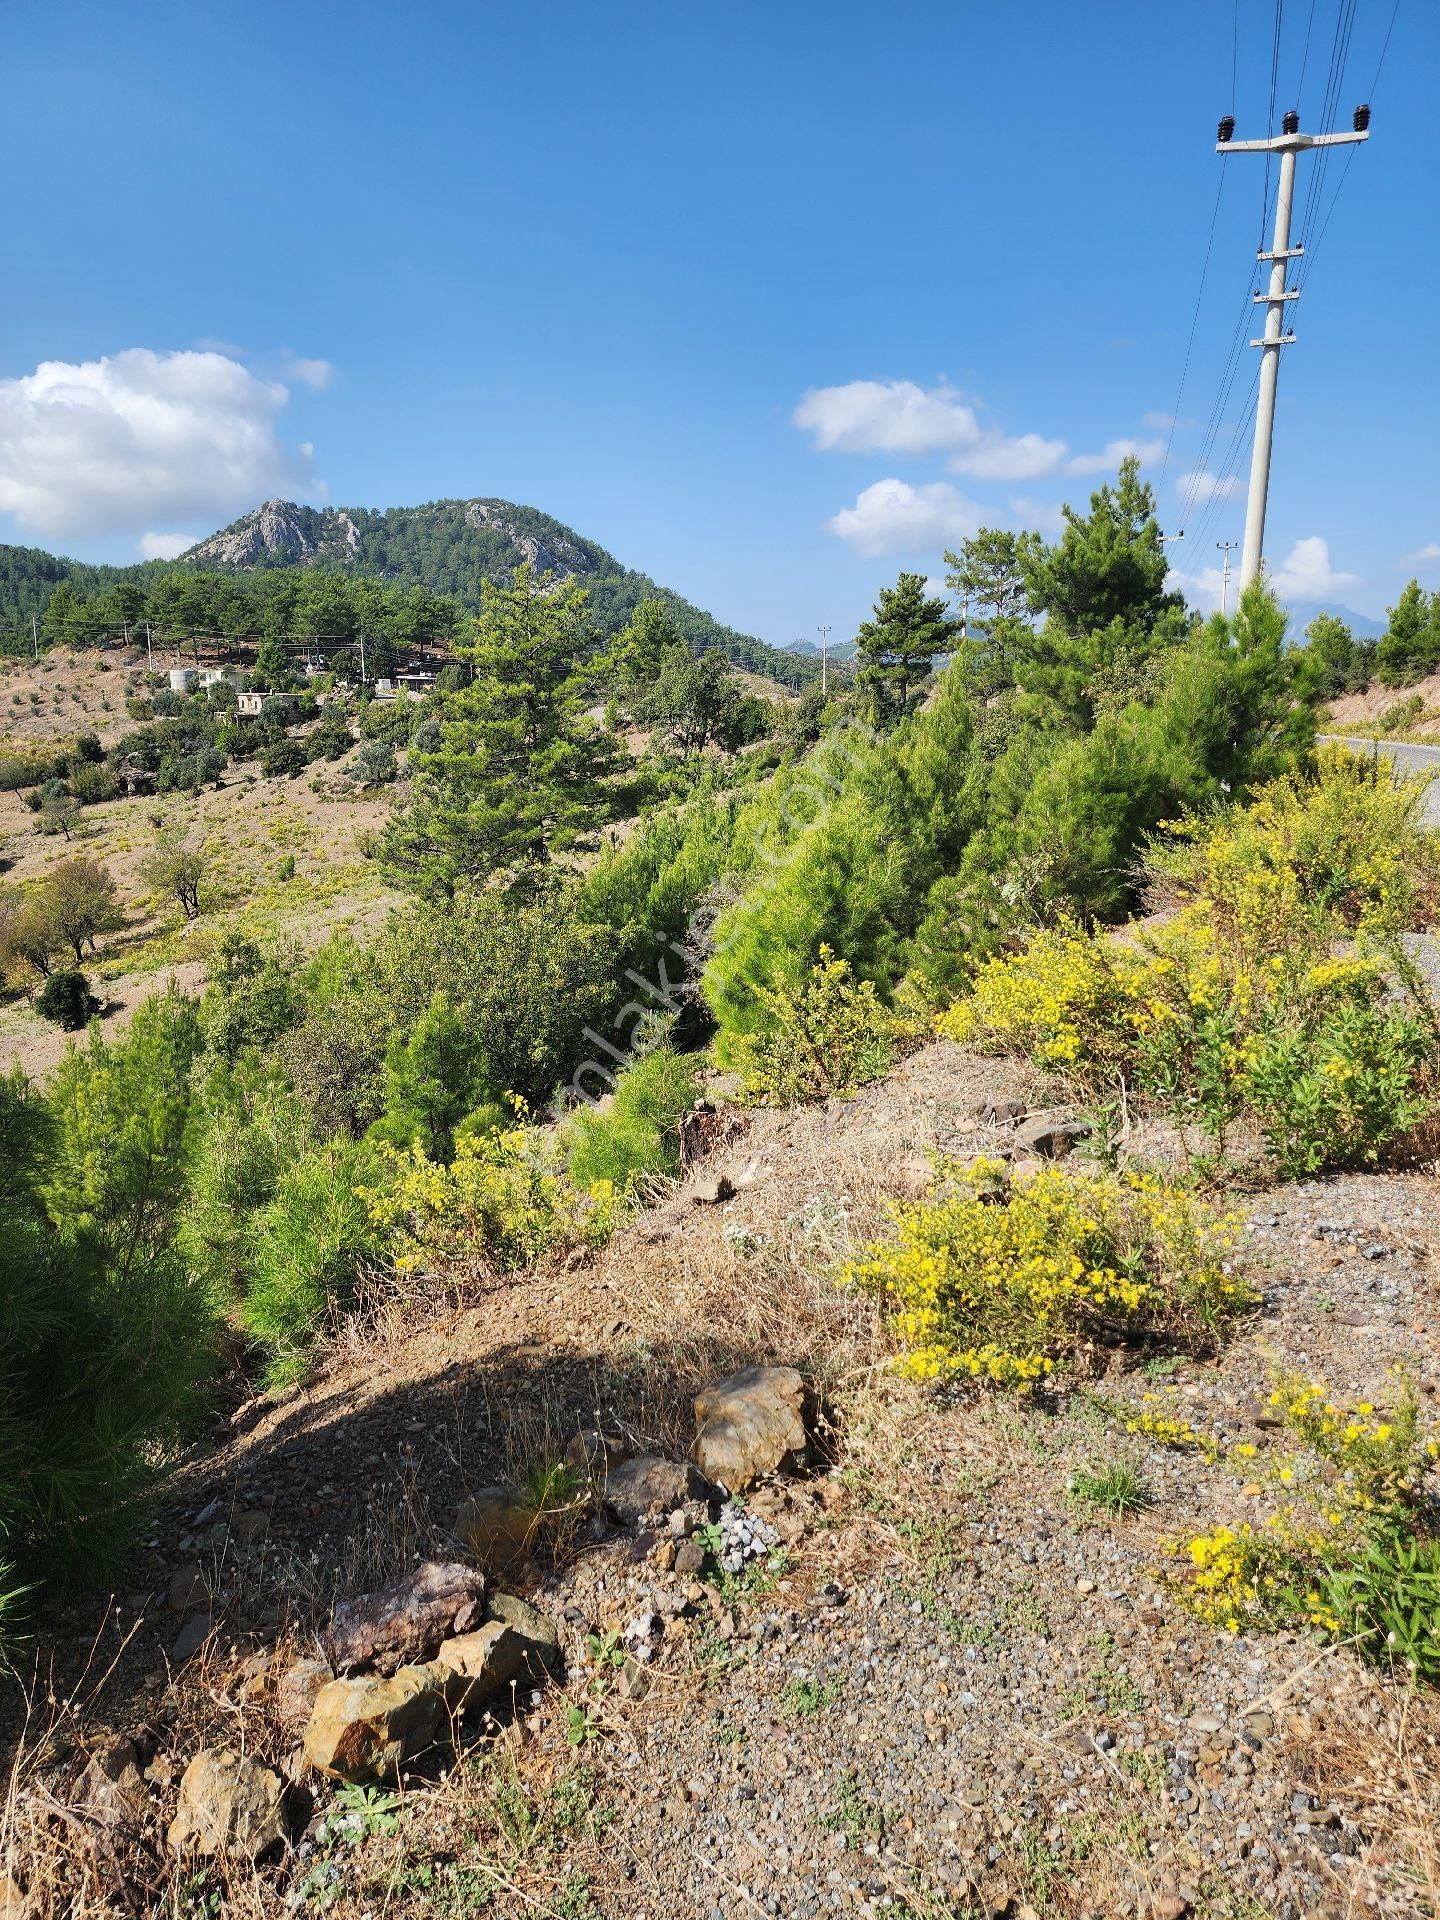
<point>636,1133</point>
<point>1345,1553</point>
<point>502,1202</point>
<point>1269,992</point>
<point>1009,1282</point>
<point>66,999</point>
<point>826,1037</point>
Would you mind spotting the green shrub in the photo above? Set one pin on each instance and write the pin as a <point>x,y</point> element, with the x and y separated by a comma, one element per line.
<point>66,999</point>
<point>824,1039</point>
<point>307,1247</point>
<point>283,760</point>
<point>636,1132</point>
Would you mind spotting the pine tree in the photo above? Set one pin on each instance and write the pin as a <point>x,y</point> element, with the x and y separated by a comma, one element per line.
<point>1406,653</point>
<point>521,772</point>
<point>897,648</point>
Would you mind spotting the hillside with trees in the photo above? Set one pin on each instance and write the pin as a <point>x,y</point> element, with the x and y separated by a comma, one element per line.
<point>746,1212</point>
<point>350,570</point>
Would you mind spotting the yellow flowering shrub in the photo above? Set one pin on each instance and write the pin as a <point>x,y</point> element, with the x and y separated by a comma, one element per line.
<point>502,1203</point>
<point>826,1038</point>
<point>1341,1555</point>
<point>1237,1004</point>
<point>1005,1283</point>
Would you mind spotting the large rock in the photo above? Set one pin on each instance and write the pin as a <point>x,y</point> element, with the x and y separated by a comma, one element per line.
<point>229,1804</point>
<point>365,1729</point>
<point>750,1424</point>
<point>481,1664</point>
<point>497,1525</point>
<point>405,1620</point>
<point>647,1483</point>
<point>1052,1139</point>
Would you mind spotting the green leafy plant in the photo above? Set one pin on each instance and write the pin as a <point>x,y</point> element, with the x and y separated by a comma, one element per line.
<point>826,1039</point>
<point>1117,1488</point>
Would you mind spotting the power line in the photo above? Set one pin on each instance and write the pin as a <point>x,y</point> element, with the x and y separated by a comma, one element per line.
<point>1194,322</point>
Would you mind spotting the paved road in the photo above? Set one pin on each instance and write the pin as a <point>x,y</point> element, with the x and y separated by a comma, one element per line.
<point>1405,754</point>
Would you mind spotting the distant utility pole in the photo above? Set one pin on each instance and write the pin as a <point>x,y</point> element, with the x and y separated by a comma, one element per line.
<point>824,633</point>
<point>1226,547</point>
<point>149,650</point>
<point>1290,142</point>
<point>35,634</point>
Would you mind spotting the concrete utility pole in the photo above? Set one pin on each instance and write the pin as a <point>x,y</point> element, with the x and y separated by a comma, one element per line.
<point>1227,547</point>
<point>35,634</point>
<point>1290,142</point>
<point>824,633</point>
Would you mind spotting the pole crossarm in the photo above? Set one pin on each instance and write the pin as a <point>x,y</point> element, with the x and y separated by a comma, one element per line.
<point>1290,142</point>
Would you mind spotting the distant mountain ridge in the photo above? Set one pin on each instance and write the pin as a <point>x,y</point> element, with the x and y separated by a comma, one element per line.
<point>450,546</point>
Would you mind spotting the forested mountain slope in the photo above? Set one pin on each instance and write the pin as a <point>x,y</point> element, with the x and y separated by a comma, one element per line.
<point>449,546</point>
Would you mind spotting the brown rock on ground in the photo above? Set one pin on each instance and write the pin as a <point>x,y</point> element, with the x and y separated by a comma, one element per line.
<point>405,1620</point>
<point>641,1485</point>
<point>365,1729</point>
<point>496,1525</point>
<point>749,1424</point>
<point>229,1804</point>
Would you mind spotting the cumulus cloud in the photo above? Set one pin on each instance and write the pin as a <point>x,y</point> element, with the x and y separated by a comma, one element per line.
<point>893,516</point>
<point>1203,485</point>
<point>164,546</point>
<point>897,416</point>
<point>1202,588</point>
<point>999,456</point>
<point>1157,422</point>
<point>118,444</point>
<point>1428,554</point>
<point>886,416</point>
<point>316,374</point>
<point>1112,453</point>
<point>1306,572</point>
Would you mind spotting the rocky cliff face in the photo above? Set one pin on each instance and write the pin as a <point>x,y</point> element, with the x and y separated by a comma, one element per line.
<point>279,530</point>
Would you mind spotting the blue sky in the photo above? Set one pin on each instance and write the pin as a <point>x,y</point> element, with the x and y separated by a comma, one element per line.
<point>595,258</point>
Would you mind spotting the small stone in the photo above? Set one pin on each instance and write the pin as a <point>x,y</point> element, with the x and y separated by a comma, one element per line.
<point>188,1588</point>
<point>634,1681</point>
<point>229,1804</point>
<point>1000,1113</point>
<point>191,1637</point>
<point>405,1621</point>
<point>689,1558</point>
<point>1052,1139</point>
<point>1170,1906</point>
<point>496,1525</point>
<point>249,1529</point>
<point>111,1792</point>
<point>481,1664</point>
<point>648,1483</point>
<point>298,1688</point>
<point>1377,1250</point>
<point>594,1453</point>
<point>538,1633</point>
<point>710,1190</point>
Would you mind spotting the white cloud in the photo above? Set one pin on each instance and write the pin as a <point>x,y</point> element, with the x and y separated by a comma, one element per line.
<point>115,445</point>
<point>1306,573</point>
<point>1428,554</point>
<point>998,456</point>
<point>886,416</point>
<point>1041,516</point>
<point>1113,452</point>
<point>164,546</point>
<point>1157,422</point>
<point>316,374</point>
<point>1203,485</point>
<point>892,515</point>
<point>1203,588</point>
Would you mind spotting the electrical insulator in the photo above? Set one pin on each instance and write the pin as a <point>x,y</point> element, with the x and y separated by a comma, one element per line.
<point>1226,129</point>
<point>1291,122</point>
<point>1361,120</point>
